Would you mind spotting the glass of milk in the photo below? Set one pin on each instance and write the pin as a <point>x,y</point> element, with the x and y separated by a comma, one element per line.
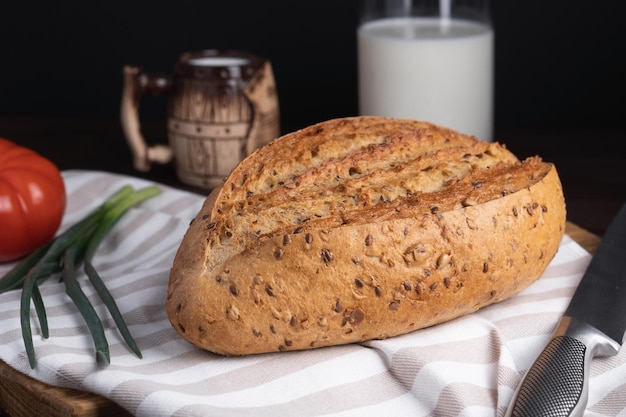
<point>430,60</point>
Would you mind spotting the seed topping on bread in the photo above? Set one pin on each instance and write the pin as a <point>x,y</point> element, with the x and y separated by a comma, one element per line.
<point>361,228</point>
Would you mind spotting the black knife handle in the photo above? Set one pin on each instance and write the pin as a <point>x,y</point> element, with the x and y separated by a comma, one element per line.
<point>555,385</point>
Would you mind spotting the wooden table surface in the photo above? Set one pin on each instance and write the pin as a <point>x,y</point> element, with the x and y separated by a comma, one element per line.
<point>589,164</point>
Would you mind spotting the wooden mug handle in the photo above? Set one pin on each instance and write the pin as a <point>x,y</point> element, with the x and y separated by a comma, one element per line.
<point>137,83</point>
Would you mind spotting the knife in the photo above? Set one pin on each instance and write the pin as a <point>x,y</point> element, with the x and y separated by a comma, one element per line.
<point>593,325</point>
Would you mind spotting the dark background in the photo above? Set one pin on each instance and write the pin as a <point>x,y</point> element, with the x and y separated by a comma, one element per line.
<point>560,87</point>
<point>558,63</point>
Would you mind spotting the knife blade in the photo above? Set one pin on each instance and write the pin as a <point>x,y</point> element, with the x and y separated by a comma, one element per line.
<point>593,324</point>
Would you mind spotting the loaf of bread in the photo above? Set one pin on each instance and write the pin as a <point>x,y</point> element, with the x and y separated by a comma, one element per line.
<point>361,228</point>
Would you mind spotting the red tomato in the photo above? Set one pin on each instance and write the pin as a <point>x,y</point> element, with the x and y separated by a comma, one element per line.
<point>32,200</point>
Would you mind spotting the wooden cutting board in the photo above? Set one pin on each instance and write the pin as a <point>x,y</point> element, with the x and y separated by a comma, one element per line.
<point>23,396</point>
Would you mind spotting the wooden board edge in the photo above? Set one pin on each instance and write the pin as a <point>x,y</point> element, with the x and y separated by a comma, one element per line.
<point>22,396</point>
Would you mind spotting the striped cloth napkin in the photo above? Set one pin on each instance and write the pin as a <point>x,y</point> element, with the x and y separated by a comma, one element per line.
<point>467,367</point>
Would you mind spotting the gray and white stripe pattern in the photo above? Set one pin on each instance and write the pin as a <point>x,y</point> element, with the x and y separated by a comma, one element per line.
<point>466,367</point>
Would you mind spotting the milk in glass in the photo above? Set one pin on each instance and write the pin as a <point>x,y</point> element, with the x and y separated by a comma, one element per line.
<point>433,69</point>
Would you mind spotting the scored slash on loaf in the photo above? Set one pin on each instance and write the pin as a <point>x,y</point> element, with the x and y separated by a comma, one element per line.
<point>361,228</point>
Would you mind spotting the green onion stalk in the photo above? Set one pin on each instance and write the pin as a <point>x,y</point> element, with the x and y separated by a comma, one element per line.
<point>65,255</point>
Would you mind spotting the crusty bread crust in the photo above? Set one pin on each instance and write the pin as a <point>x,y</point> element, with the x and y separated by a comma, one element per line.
<point>361,228</point>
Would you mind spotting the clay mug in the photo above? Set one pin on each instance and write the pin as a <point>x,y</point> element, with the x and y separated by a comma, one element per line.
<point>221,106</point>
